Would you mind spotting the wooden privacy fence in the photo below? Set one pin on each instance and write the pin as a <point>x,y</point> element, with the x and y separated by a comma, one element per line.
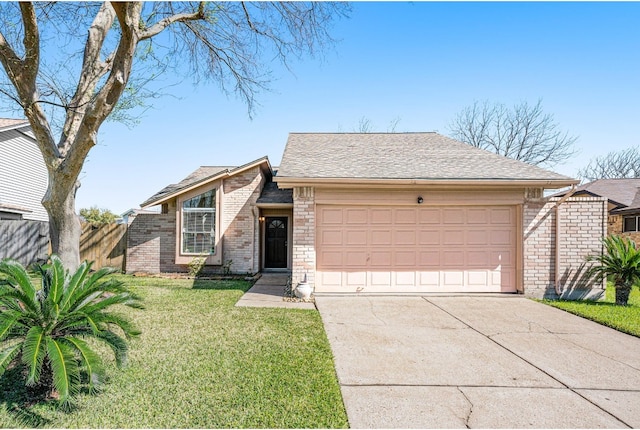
<point>105,245</point>
<point>24,240</point>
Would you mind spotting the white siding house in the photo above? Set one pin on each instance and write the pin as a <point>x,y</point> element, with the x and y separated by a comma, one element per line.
<point>23,174</point>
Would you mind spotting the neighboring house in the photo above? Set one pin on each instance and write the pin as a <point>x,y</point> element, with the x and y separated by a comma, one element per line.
<point>23,174</point>
<point>623,197</point>
<point>378,213</point>
<point>128,216</point>
<point>24,226</point>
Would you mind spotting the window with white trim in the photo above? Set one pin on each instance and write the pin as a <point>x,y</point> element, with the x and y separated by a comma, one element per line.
<point>199,224</point>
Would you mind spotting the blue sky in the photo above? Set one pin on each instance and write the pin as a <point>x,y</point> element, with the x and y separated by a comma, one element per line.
<point>420,63</point>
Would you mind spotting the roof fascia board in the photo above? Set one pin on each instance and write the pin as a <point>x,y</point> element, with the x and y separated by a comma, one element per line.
<point>275,205</point>
<point>286,182</point>
<point>14,126</point>
<point>227,173</point>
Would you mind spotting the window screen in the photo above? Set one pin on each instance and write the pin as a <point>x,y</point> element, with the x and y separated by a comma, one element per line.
<point>199,224</point>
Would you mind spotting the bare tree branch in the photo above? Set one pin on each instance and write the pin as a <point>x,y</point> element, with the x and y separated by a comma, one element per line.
<point>94,47</point>
<point>523,133</point>
<point>166,22</point>
<point>614,165</point>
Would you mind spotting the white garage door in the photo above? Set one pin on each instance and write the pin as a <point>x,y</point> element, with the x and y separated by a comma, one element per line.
<point>426,249</point>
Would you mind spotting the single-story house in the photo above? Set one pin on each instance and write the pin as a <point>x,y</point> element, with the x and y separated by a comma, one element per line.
<point>623,197</point>
<point>378,213</point>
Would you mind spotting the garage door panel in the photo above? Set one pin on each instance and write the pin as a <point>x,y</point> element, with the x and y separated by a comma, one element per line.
<point>501,237</point>
<point>330,279</point>
<point>429,216</point>
<point>355,258</point>
<point>453,216</point>
<point>501,258</point>
<point>330,215</point>
<point>405,259</point>
<point>356,237</point>
<point>452,258</point>
<point>380,279</point>
<point>478,278</point>
<point>404,237</point>
<point>332,237</point>
<point>356,216</point>
<point>463,248</point>
<point>502,216</point>
<point>405,216</point>
<point>477,237</point>
<point>381,259</point>
<point>429,259</point>
<point>429,237</point>
<point>479,258</point>
<point>454,278</point>
<point>452,237</point>
<point>429,279</point>
<point>477,216</point>
<point>381,216</point>
<point>405,279</point>
<point>381,237</point>
<point>331,258</point>
<point>357,279</point>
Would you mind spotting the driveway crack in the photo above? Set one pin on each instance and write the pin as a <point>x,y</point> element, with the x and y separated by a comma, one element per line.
<point>489,337</point>
<point>468,417</point>
<point>373,312</point>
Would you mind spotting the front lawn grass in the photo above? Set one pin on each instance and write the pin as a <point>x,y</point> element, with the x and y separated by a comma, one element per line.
<point>203,363</point>
<point>623,318</point>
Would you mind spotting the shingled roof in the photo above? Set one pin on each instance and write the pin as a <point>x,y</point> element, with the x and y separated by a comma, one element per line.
<point>396,156</point>
<point>199,177</point>
<point>271,194</point>
<point>624,193</point>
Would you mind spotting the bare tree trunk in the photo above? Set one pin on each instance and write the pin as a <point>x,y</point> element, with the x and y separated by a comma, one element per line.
<point>64,224</point>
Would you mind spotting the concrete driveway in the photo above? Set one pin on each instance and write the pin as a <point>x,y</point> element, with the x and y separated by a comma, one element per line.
<point>478,362</point>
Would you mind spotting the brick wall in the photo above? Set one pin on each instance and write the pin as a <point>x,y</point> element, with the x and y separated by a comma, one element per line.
<point>615,227</point>
<point>152,243</point>
<point>152,237</point>
<point>240,221</point>
<point>583,223</point>
<point>304,236</point>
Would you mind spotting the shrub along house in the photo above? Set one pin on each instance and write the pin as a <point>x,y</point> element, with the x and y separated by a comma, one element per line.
<point>378,213</point>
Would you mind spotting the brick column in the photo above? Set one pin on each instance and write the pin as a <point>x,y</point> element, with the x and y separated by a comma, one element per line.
<point>304,236</point>
<point>582,225</point>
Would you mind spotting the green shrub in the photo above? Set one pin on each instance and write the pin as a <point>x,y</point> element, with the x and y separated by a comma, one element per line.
<point>46,330</point>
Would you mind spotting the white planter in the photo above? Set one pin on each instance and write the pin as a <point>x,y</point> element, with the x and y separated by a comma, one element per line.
<point>303,290</point>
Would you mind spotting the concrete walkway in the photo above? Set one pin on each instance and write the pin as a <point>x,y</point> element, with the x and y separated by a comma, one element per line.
<point>478,362</point>
<point>268,292</point>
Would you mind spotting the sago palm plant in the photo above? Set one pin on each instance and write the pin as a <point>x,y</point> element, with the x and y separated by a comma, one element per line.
<point>620,263</point>
<point>46,329</point>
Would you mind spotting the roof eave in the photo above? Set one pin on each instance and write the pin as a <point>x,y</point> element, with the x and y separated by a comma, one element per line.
<point>223,174</point>
<point>625,211</point>
<point>290,181</point>
<point>274,205</point>
<point>14,126</point>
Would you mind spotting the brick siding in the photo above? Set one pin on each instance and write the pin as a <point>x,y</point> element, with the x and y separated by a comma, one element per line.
<point>583,224</point>
<point>240,222</point>
<point>152,237</point>
<point>304,236</point>
<point>614,226</point>
<point>151,244</point>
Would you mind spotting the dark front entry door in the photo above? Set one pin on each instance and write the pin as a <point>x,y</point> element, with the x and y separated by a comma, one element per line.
<point>275,252</point>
